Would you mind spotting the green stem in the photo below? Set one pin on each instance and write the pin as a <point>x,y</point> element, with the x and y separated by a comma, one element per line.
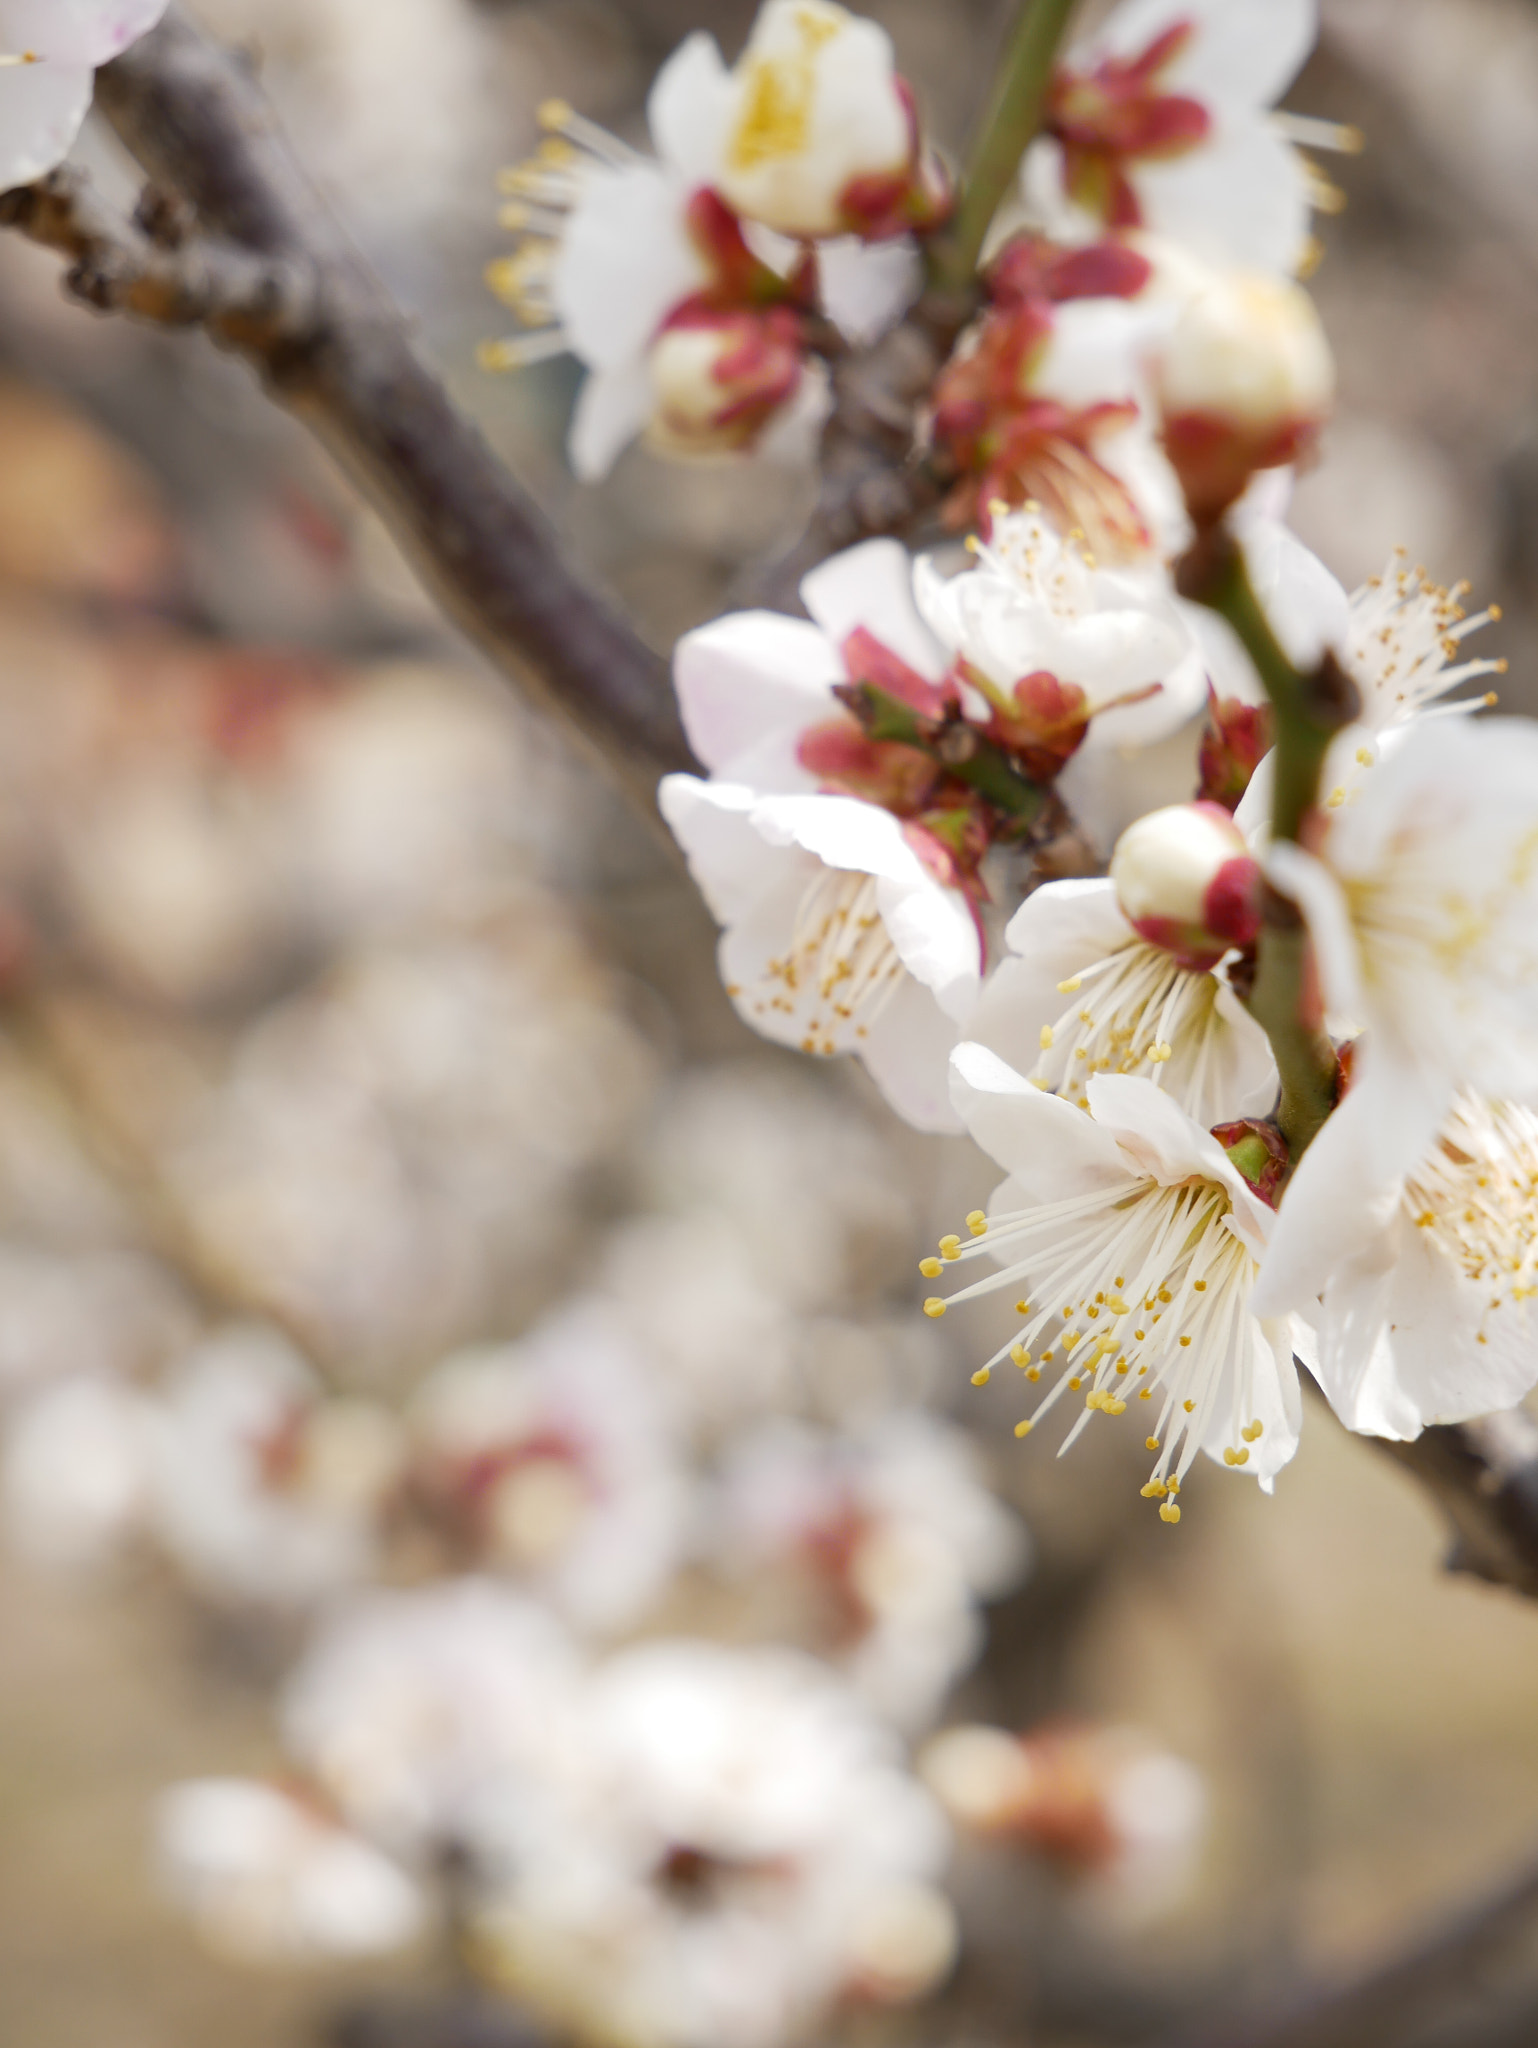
<point>1008,128</point>
<point>1308,711</point>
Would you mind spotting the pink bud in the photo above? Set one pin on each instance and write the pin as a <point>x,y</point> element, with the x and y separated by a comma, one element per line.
<point>1186,882</point>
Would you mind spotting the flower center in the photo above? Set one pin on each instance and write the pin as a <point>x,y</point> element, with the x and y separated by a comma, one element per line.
<point>842,968</point>
<point>1144,1009</point>
<point>779,96</point>
<point>1140,1291</point>
<point>1477,1198</point>
<point>1118,113</point>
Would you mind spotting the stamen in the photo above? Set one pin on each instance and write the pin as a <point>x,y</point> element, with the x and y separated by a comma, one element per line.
<point>1309,132</point>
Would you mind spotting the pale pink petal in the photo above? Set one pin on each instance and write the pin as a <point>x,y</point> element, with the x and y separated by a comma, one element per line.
<point>936,938</point>
<point>75,32</point>
<point>1308,609</point>
<point>745,677</point>
<point>872,586</point>
<point>1155,1132</point>
<point>866,287</point>
<point>1317,893</point>
<point>625,262</point>
<point>1241,198</point>
<point>1050,1150</point>
<point>1335,1209</point>
<point>907,1055</point>
<point>729,860</point>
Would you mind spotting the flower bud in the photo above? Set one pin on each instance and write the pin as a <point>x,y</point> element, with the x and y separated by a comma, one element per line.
<point>1246,381</point>
<point>823,138</point>
<point>719,377</point>
<point>1185,881</point>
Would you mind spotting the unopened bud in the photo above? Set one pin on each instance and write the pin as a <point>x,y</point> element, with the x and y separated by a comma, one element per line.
<point>719,377</point>
<point>1246,381</point>
<point>1185,881</point>
<point>1258,1152</point>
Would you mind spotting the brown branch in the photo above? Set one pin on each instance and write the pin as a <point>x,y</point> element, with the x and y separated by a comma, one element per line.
<point>1484,1476</point>
<point>271,275</point>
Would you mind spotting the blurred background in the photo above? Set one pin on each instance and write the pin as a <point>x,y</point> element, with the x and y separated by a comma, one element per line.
<point>347,1023</point>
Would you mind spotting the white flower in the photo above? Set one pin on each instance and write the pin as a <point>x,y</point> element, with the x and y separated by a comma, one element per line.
<point>1081,994</point>
<point>732,1846</point>
<point>552,1458</point>
<point>1418,1283</point>
<point>50,51</point>
<point>1161,121</point>
<point>410,1706</point>
<point>840,935</point>
<point>900,1536</point>
<point>687,317</point>
<point>1133,1245</point>
<point>1422,902</point>
<point>812,132</point>
<point>75,1471</point>
<point>1036,604</point>
<point>265,1879</point>
<point>262,1490</point>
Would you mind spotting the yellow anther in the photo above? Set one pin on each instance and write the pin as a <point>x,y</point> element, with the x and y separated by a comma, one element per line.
<point>982,1376</point>
<point>950,1247</point>
<point>1075,1383</point>
<point>1033,1372</point>
<point>1022,1308</point>
<point>1155,1490</point>
<point>1094,1399</point>
<point>1365,757</point>
<point>1170,1512</point>
<point>977,1222</point>
<point>1150,1443</point>
<point>931,1268</point>
<point>934,1306</point>
<point>1024,1428</point>
<point>1165,1296</point>
<point>1113,1407</point>
<point>1252,1431</point>
<point>1070,1338</point>
<point>1189,1407</point>
<point>1020,1355</point>
<point>1046,1037</point>
<point>1145,1393</point>
<point>1067,988</point>
<point>1200,1286</point>
<point>1117,1306</point>
<point>1185,1340</point>
<point>553,113</point>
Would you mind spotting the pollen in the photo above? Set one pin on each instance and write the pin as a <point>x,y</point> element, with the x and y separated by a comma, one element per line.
<point>982,1376</point>
<point>950,1247</point>
<point>1150,1443</point>
<point>1024,1428</point>
<point>1170,1512</point>
<point>931,1268</point>
<point>977,1222</point>
<point>934,1306</point>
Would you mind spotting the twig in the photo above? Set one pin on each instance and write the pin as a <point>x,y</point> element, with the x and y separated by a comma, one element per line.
<point>1007,130</point>
<point>1309,710</point>
<point>1484,1475</point>
<point>271,275</point>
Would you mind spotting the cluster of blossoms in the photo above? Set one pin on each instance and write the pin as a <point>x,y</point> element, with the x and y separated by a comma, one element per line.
<point>780,206</point>
<point>888,779</point>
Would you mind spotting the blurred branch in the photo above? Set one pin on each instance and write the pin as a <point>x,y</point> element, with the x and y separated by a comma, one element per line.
<point>269,274</point>
<point>1442,1981</point>
<point>1484,1475</point>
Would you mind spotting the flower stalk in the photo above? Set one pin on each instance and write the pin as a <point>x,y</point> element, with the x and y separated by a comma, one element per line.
<point>1008,128</point>
<point>1308,710</point>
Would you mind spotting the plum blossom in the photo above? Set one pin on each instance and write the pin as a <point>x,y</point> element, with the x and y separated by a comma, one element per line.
<point>840,866</point>
<point>1133,1242</point>
<point>552,1461</point>
<point>262,1489</point>
<point>49,54</point>
<point>896,1529</point>
<point>1081,994</point>
<point>1161,121</point>
<point>1418,1283</point>
<point>684,282</point>
<point>266,1878</point>
<point>1421,897</point>
<point>76,1470</point>
<point>1048,400</point>
<point>409,1706</point>
<point>732,1847</point>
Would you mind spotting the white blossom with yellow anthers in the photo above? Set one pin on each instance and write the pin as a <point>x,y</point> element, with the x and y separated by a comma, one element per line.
<point>1036,601</point>
<point>1133,1245</point>
<point>1421,898</point>
<point>49,54</point>
<point>1081,994</point>
<point>838,937</point>
<point>1419,1283</point>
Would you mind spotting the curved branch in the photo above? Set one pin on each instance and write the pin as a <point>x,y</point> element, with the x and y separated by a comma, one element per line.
<point>198,123</point>
<point>1484,1476</point>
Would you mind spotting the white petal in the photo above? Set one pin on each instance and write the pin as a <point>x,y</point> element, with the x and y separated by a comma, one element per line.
<point>1050,1150</point>
<point>625,262</point>
<point>866,287</point>
<point>907,1055</point>
<point>749,675</point>
<point>690,108</point>
<point>729,859</point>
<point>1308,609</point>
<point>1164,1141</point>
<point>41,109</point>
<point>872,586</point>
<point>612,407</point>
<point>75,32</point>
<point>1241,198</point>
<point>1244,52</point>
<point>1336,1209</point>
<point>937,939</point>
<point>1317,893</point>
